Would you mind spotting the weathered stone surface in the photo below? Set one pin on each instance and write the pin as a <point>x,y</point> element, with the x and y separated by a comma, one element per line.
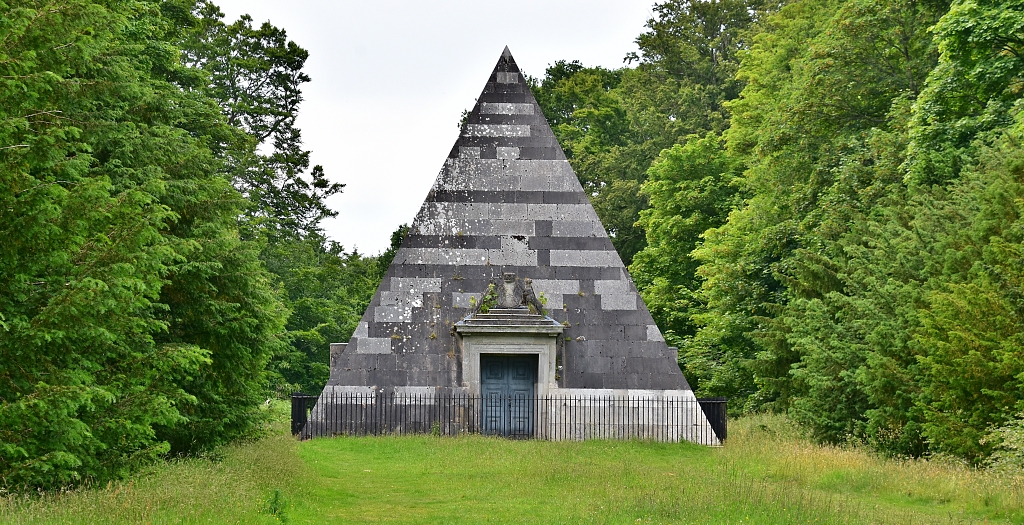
<point>506,200</point>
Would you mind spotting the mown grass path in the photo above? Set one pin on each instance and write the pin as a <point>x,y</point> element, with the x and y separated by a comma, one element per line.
<point>766,474</point>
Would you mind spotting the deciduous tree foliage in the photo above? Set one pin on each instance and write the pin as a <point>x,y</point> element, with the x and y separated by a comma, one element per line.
<point>255,75</point>
<point>613,124</point>
<point>327,291</point>
<point>691,188</point>
<point>845,244</point>
<point>823,105</point>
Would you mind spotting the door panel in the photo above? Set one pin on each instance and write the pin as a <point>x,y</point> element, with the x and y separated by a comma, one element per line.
<point>507,385</point>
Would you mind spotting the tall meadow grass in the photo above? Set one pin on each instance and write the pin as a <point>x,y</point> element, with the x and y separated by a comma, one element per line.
<point>766,473</point>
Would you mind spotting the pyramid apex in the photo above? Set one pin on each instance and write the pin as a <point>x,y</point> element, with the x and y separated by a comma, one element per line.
<point>506,63</point>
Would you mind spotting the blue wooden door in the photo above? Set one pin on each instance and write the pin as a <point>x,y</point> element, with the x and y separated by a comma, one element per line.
<point>507,385</point>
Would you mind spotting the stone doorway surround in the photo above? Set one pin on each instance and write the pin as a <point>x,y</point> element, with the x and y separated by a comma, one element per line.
<point>509,331</point>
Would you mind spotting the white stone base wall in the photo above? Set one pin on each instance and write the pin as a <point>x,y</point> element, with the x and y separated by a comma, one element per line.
<point>564,414</point>
<point>659,415</point>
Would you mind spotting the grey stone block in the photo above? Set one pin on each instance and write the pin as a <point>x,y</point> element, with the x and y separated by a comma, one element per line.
<point>599,365</point>
<point>619,301</point>
<point>394,314</point>
<point>564,197</point>
<point>506,228</point>
<point>655,365</point>
<point>504,108</point>
<point>442,257</point>
<point>600,259</point>
<point>633,318</point>
<point>611,287</point>
<point>401,299</point>
<point>495,130</point>
<point>512,257</point>
<point>637,380</point>
<point>387,361</point>
<point>597,332</point>
<point>465,300</point>
<point>575,213</point>
<point>374,345</point>
<point>542,212</point>
<point>541,153</point>
<point>591,380</point>
<point>612,274</point>
<point>510,211</point>
<point>635,333</point>
<point>560,228</point>
<point>653,350</point>
<point>533,182</point>
<point>346,376</point>
<point>660,382</point>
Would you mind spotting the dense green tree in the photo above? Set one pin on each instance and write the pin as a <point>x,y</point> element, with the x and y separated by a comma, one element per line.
<point>691,189</point>
<point>255,75</point>
<point>855,294</point>
<point>822,109</point>
<point>971,335</point>
<point>327,291</point>
<point>133,313</point>
<point>973,88</point>
<point>613,124</point>
<point>943,372</point>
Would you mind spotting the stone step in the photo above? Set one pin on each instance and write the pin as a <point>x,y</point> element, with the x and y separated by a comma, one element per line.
<point>502,316</point>
<point>503,322</point>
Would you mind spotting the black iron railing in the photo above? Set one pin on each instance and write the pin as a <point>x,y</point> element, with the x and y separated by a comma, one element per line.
<point>302,404</point>
<point>556,417</point>
<point>716,414</point>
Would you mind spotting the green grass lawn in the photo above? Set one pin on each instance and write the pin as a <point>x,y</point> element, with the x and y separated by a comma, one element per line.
<point>765,474</point>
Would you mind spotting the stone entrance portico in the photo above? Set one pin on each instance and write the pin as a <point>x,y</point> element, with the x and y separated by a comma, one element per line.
<point>509,331</point>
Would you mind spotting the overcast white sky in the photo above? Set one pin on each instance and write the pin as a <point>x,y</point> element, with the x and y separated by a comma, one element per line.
<point>391,79</point>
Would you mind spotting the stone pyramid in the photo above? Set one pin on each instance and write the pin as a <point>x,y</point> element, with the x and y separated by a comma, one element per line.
<point>506,200</point>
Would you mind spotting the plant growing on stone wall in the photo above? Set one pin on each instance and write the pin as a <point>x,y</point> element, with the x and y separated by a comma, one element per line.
<point>489,299</point>
<point>543,301</point>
